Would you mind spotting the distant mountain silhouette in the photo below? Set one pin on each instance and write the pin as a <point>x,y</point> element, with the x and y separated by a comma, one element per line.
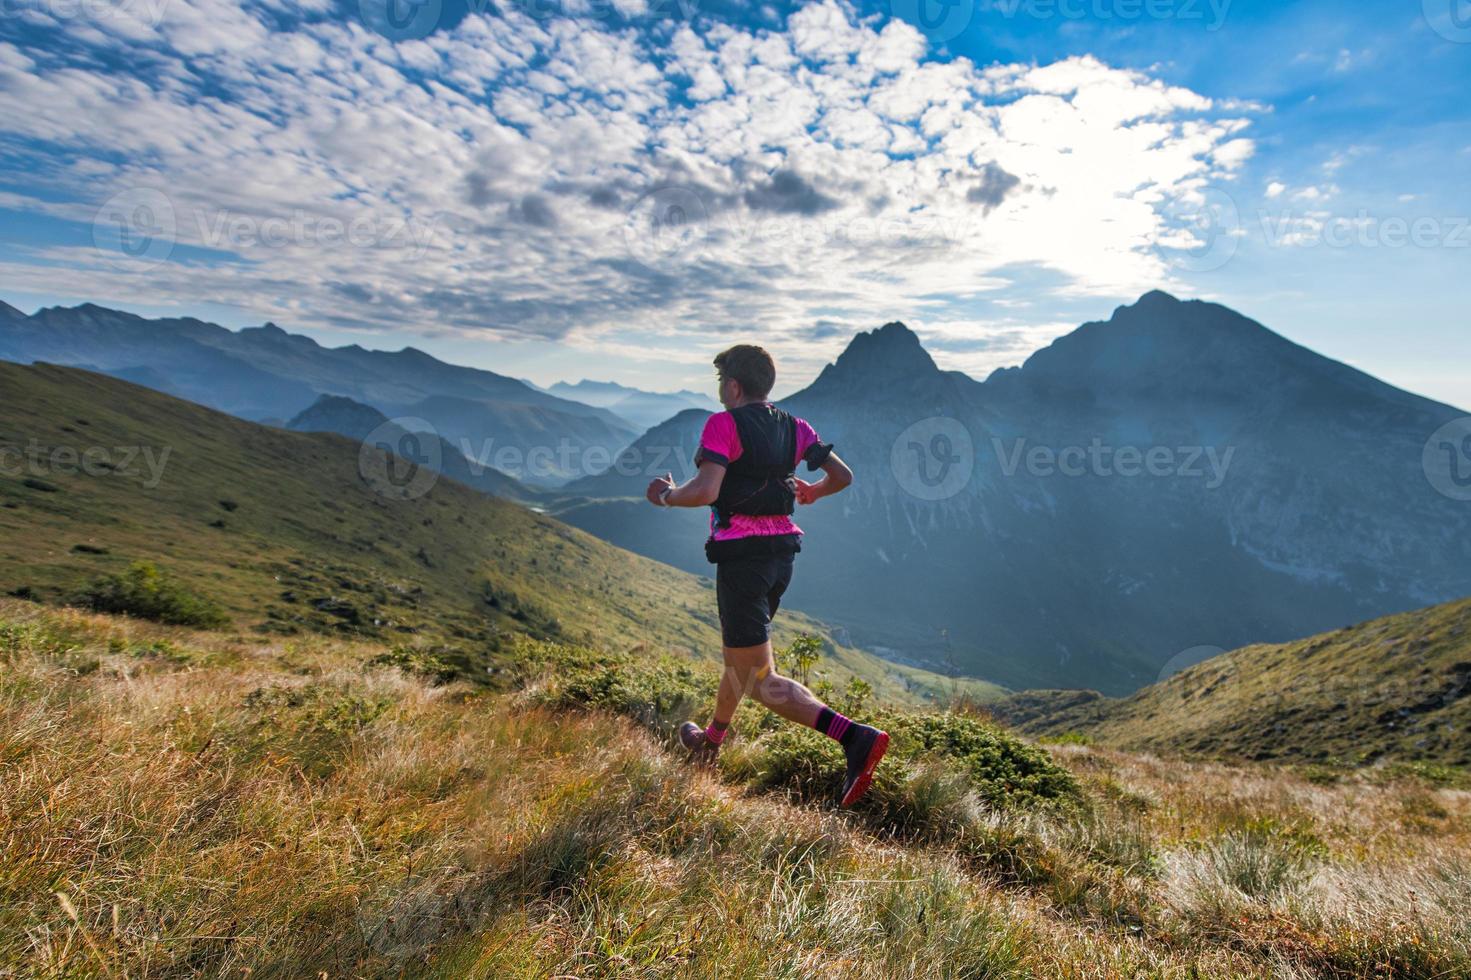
<point>644,409</point>
<point>264,373</point>
<point>996,525</point>
<point>333,413</point>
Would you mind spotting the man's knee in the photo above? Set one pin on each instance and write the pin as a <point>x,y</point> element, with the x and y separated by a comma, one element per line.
<point>772,688</point>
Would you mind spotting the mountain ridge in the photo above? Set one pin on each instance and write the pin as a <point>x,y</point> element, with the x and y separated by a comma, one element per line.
<point>1397,687</point>
<point>267,374</point>
<point>335,413</point>
<point>1291,496</point>
<point>291,532</point>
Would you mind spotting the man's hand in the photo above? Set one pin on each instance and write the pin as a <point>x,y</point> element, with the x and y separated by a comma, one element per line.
<point>836,478</point>
<point>658,487</point>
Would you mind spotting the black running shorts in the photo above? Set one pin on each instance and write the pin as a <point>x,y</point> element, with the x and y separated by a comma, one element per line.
<point>749,591</point>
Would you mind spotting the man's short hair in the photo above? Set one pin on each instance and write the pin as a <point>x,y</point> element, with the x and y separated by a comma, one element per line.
<point>752,366</point>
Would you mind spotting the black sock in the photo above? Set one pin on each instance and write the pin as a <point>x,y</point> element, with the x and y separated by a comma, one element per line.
<point>834,725</point>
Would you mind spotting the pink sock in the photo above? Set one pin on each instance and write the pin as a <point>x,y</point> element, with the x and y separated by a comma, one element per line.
<point>715,734</point>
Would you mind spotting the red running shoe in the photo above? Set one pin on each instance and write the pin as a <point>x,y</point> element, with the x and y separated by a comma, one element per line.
<point>864,751</point>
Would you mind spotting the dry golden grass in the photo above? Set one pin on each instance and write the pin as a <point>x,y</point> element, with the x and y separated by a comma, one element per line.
<point>188,804</point>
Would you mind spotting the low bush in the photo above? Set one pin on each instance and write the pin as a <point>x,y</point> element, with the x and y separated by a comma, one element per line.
<point>146,592</point>
<point>418,663</point>
<point>1004,770</point>
<point>308,725</point>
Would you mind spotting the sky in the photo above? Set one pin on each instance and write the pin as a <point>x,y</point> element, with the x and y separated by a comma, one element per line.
<point>617,189</point>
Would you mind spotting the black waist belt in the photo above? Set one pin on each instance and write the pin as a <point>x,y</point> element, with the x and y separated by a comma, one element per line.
<point>756,546</point>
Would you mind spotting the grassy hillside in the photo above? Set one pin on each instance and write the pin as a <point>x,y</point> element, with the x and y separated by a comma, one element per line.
<point>178,804</point>
<point>1393,688</point>
<point>283,531</point>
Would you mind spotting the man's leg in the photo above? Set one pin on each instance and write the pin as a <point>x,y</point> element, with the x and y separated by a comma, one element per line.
<point>739,589</point>
<point>752,670</point>
<point>749,670</point>
<point>749,593</point>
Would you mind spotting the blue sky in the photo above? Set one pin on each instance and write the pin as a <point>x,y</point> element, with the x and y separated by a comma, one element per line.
<point>558,189</point>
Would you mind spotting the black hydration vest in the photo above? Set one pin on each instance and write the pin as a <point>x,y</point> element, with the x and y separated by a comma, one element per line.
<point>759,482</point>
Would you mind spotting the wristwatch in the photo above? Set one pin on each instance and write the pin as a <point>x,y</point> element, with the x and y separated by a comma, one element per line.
<point>664,496</point>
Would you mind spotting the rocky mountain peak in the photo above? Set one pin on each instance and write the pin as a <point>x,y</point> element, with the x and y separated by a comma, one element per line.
<point>335,413</point>
<point>892,351</point>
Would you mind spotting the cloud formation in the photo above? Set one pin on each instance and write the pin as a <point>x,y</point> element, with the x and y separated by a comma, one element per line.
<point>601,182</point>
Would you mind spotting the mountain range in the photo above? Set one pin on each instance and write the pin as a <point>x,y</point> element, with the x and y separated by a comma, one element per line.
<point>1175,477</point>
<point>291,533</point>
<point>266,374</point>
<point>645,409</point>
<point>365,424</point>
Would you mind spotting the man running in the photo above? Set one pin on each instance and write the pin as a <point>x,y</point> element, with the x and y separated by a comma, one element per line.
<point>746,474</point>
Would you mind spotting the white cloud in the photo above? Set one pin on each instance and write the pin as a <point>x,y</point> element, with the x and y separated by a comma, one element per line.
<point>845,191</point>
<point>1234,154</point>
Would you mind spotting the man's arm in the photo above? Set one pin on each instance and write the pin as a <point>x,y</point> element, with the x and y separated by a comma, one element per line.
<point>836,478</point>
<point>701,491</point>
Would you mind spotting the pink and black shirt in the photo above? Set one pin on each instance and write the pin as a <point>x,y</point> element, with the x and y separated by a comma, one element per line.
<point>720,442</point>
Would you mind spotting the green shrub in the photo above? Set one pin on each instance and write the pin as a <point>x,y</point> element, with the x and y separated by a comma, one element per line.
<point>1005,771</point>
<point>311,725</point>
<point>1066,738</point>
<point>148,593</point>
<point>162,650</point>
<point>797,660</point>
<point>657,691</point>
<point>1435,773</point>
<point>51,642</point>
<point>418,663</point>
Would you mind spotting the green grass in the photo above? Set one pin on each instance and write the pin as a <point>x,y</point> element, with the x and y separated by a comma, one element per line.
<point>1393,692</point>
<point>201,803</point>
<point>659,693</point>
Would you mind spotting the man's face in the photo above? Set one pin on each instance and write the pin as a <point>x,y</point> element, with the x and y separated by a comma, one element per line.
<point>730,392</point>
